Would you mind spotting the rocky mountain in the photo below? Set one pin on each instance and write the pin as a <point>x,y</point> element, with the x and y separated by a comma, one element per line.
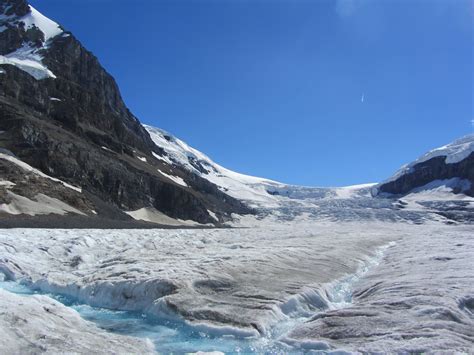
<point>62,115</point>
<point>451,166</point>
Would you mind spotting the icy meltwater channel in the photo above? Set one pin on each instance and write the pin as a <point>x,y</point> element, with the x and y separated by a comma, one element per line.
<point>178,337</point>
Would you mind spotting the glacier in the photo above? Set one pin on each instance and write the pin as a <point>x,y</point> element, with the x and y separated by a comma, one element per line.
<point>281,287</point>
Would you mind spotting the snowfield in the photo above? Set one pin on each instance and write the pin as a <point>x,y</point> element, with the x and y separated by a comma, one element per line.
<point>368,286</point>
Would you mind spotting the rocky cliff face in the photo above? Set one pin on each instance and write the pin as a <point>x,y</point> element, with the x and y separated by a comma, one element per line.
<point>62,113</point>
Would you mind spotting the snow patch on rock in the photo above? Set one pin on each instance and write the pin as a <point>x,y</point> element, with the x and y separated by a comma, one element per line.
<point>35,171</point>
<point>29,61</point>
<point>49,28</point>
<point>174,178</point>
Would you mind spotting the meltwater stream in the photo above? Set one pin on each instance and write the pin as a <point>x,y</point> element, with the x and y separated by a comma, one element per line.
<point>168,336</point>
<point>178,337</point>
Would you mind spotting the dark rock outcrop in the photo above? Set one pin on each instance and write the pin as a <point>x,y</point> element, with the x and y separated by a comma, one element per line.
<point>433,169</point>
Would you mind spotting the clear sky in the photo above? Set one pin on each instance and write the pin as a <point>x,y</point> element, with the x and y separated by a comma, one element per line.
<point>324,93</point>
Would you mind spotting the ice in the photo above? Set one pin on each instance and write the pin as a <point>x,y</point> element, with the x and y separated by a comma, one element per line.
<point>414,299</point>
<point>276,286</point>
<point>38,324</point>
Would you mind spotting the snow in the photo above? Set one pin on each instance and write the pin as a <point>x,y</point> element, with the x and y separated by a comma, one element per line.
<point>143,159</point>
<point>240,186</point>
<point>35,171</point>
<point>54,99</point>
<point>454,152</point>
<point>165,159</point>
<point>107,149</point>
<point>40,205</point>
<point>29,62</point>
<point>256,192</point>
<point>150,214</point>
<point>213,215</point>
<point>174,178</point>
<point>35,19</point>
<point>27,58</point>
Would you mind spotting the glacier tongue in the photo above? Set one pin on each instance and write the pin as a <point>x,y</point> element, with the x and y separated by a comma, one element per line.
<point>300,286</point>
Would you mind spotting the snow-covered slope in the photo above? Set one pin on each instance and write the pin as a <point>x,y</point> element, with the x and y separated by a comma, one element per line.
<point>37,31</point>
<point>243,187</point>
<point>256,191</point>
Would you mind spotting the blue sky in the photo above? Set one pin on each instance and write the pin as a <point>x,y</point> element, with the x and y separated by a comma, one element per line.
<point>274,88</point>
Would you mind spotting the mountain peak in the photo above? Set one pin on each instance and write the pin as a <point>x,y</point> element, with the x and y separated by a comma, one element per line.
<point>24,34</point>
<point>21,25</point>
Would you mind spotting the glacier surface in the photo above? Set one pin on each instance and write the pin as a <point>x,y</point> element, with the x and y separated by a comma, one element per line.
<point>298,286</point>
